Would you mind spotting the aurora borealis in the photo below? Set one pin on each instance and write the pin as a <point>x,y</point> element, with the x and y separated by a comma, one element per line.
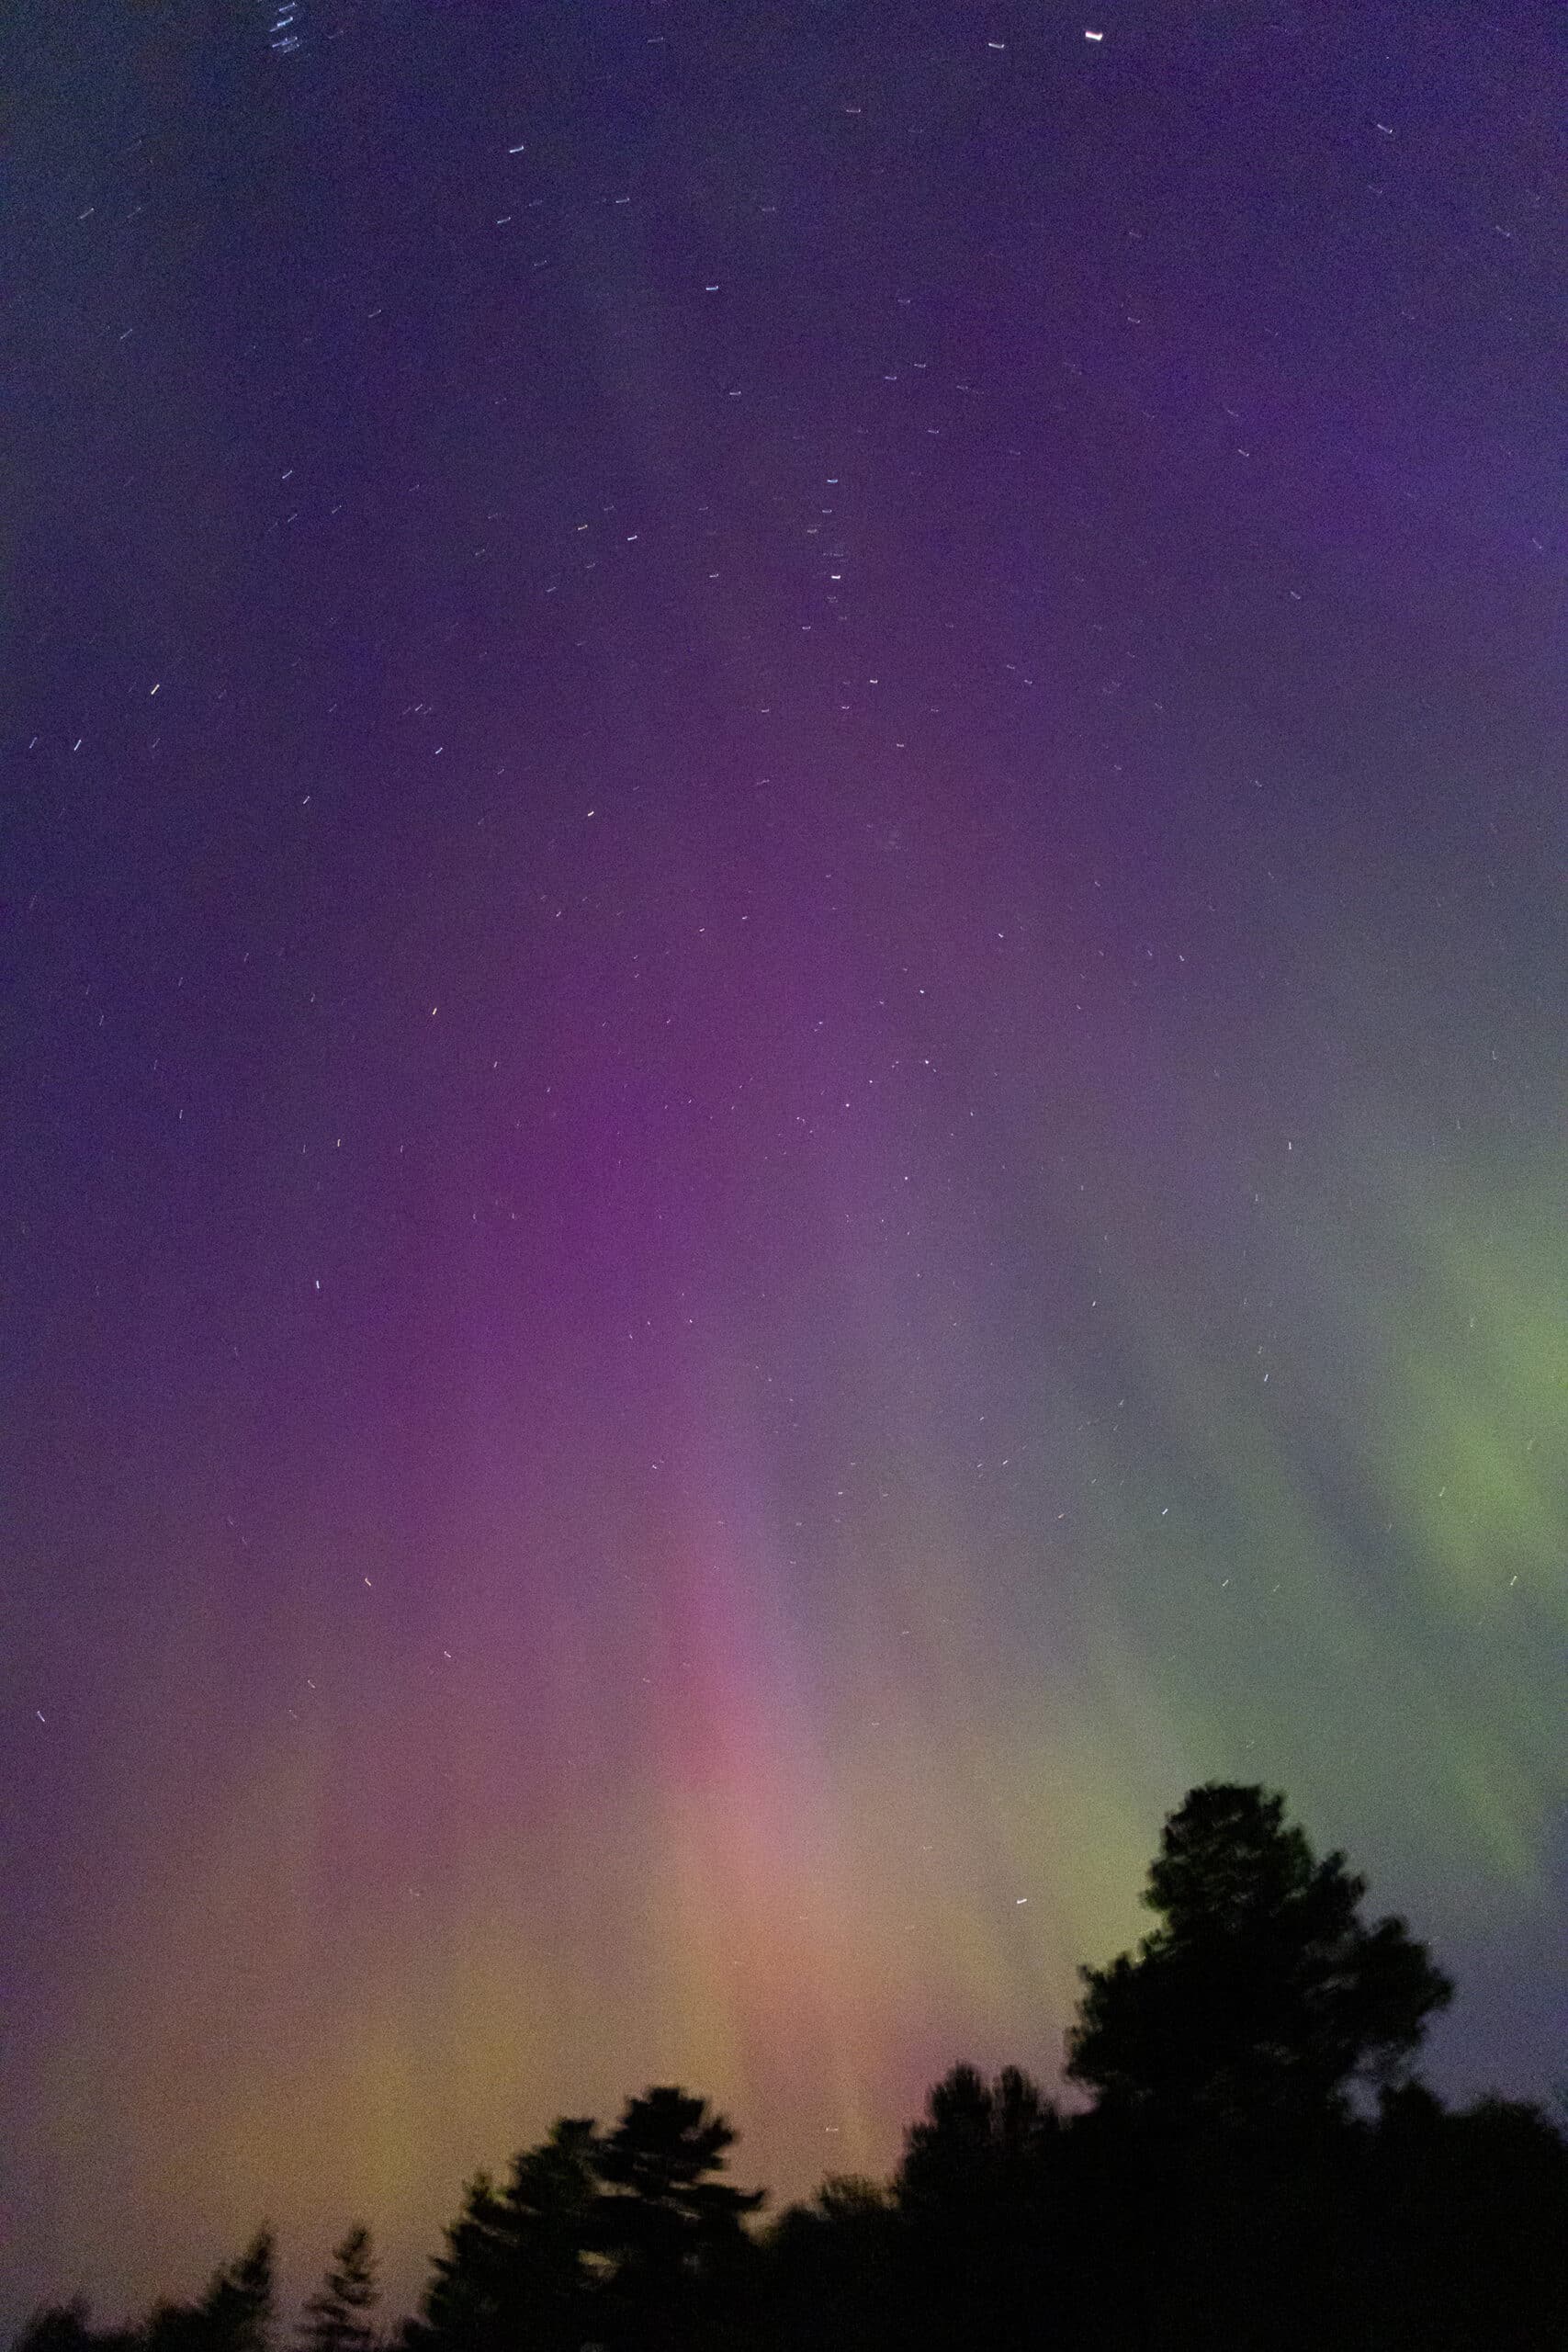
<point>783,1060</point>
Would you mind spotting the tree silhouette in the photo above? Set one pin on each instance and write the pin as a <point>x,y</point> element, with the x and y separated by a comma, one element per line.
<point>628,2239</point>
<point>337,2317</point>
<point>518,2266</point>
<point>671,2232</point>
<point>68,2327</point>
<point>835,2270</point>
<point>233,2315</point>
<point>1262,1996</point>
<point>1224,2187</point>
<point>1472,2218</point>
<point>975,2190</point>
<point>979,2142</point>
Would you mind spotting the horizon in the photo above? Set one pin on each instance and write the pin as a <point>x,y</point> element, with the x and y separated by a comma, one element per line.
<point>399,2286</point>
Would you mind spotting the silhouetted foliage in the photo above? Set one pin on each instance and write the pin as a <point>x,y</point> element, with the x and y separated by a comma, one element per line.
<point>1473,2243</point>
<point>626,2238</point>
<point>1224,2187</point>
<point>670,2230</point>
<point>337,2317</point>
<point>67,2327</point>
<point>1261,1997</point>
<point>233,2315</point>
<point>518,2267</point>
<point>974,2192</point>
<point>835,2269</point>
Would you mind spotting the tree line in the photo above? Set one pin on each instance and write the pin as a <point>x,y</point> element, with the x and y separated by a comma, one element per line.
<point>1252,2163</point>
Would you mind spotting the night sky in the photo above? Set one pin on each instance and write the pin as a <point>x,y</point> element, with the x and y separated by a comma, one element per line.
<point>784,995</point>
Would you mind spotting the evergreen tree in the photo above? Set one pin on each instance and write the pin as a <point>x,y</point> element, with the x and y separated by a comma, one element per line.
<point>337,2317</point>
<point>976,2190</point>
<point>518,2270</point>
<point>671,2233</point>
<point>1262,1997</point>
<point>237,2308</point>
<point>1470,2225</point>
<point>68,2327</point>
<point>834,2271</point>
<point>233,2315</point>
<point>57,2327</point>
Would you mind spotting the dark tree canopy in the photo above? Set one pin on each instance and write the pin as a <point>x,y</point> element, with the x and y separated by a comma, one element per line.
<point>1224,2188</point>
<point>661,2155</point>
<point>68,2327</point>
<point>625,2237</point>
<point>1262,1994</point>
<point>835,2268</point>
<point>337,2317</point>
<point>974,2192</point>
<point>517,2265</point>
<point>233,2315</point>
<point>670,2229</point>
<point>977,2142</point>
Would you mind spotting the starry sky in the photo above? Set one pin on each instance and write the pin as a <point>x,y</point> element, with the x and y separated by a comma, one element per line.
<point>784,1001</point>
